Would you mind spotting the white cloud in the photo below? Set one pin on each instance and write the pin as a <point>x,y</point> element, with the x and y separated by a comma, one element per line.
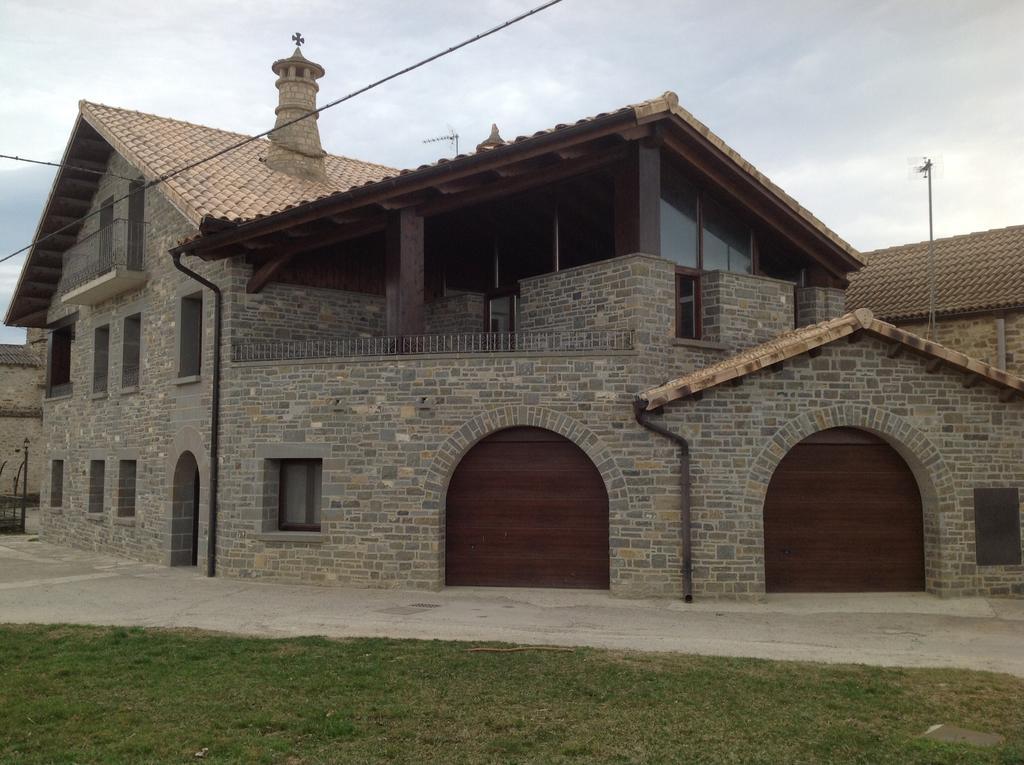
<point>827,98</point>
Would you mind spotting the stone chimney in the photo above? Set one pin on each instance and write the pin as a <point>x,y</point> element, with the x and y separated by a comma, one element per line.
<point>296,149</point>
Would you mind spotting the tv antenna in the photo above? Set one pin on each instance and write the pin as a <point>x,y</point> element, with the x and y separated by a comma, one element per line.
<point>927,167</point>
<point>451,138</point>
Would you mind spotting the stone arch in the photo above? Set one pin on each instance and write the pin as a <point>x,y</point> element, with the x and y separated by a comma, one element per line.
<point>934,479</point>
<point>188,443</point>
<point>185,489</point>
<point>450,453</point>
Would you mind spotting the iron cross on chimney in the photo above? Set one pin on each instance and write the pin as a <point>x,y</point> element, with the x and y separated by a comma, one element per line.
<point>298,39</point>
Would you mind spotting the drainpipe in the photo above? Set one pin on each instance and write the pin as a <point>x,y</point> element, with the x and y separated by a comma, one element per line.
<point>211,548</point>
<point>643,418</point>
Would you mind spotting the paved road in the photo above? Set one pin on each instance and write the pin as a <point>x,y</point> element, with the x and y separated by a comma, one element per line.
<point>40,582</point>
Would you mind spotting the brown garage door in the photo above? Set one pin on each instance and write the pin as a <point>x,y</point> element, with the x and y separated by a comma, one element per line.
<point>526,508</point>
<point>843,514</point>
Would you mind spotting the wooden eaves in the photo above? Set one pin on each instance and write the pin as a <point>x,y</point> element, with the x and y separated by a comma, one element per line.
<point>70,198</point>
<point>546,157</point>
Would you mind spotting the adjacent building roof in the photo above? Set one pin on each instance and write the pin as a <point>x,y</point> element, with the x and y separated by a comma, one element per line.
<point>18,356</point>
<point>235,186</point>
<point>807,340</point>
<point>973,272</point>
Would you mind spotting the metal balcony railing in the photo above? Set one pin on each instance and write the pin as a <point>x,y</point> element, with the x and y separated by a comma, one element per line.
<point>405,345</point>
<point>99,380</point>
<point>60,389</point>
<point>129,376</point>
<point>121,245</point>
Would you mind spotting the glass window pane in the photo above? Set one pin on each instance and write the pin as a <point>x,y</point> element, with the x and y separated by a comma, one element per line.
<point>294,475</point>
<point>678,218</point>
<point>501,314</point>
<point>687,315</point>
<point>726,241</point>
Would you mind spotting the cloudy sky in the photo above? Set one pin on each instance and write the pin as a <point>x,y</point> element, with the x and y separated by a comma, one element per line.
<point>828,97</point>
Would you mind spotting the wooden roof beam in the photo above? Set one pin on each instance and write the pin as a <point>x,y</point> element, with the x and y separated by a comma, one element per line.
<point>514,185</point>
<point>284,255</point>
<point>407,182</point>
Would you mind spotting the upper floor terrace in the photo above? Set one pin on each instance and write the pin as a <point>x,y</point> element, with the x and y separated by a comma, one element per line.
<point>490,251</point>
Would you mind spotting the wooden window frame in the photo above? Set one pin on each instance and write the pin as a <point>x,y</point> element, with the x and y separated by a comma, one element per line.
<point>97,496</point>
<point>127,500</point>
<point>692,275</point>
<point>312,465</point>
<point>512,292</point>
<point>57,483</point>
<point>190,335</point>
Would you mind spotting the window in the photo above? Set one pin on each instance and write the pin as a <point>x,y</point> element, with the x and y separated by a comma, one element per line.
<point>190,338</point>
<point>58,375</point>
<point>299,495</point>
<point>57,483</point>
<point>126,488</point>
<point>131,351</point>
<point>97,475</point>
<point>501,313</point>
<point>726,241</point>
<point>997,527</point>
<point>687,306</point>
<point>136,230</point>
<point>679,223</point>
<point>100,358</point>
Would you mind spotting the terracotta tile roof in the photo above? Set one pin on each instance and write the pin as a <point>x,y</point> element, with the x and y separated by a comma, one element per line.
<point>663,106</point>
<point>236,186</point>
<point>973,272</point>
<point>18,355</point>
<point>806,339</point>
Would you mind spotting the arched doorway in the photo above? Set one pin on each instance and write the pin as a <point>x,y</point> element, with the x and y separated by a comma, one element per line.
<point>526,508</point>
<point>843,514</point>
<point>185,512</point>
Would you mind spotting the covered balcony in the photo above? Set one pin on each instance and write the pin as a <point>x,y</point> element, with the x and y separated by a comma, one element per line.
<point>104,264</point>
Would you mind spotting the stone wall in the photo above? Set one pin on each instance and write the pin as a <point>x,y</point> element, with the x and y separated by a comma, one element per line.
<point>391,432</point>
<point>954,438</point>
<point>817,304</point>
<point>741,310</point>
<point>152,423</point>
<point>455,314</point>
<point>630,292</point>
<point>20,418</point>
<point>976,336</point>
<point>292,312</point>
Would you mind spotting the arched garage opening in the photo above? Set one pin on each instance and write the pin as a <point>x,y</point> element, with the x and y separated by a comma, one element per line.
<point>526,508</point>
<point>185,512</point>
<point>843,514</point>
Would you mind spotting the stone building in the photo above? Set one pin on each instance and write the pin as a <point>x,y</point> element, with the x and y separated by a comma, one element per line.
<point>21,415</point>
<point>979,292</point>
<point>291,365</point>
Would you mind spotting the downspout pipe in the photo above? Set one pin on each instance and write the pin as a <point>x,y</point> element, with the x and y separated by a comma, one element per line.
<point>643,418</point>
<point>211,549</point>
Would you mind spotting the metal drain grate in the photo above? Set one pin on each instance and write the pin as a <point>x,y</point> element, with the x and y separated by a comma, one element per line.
<point>424,605</point>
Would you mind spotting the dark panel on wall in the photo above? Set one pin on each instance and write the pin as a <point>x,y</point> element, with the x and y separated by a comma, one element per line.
<point>997,527</point>
<point>356,266</point>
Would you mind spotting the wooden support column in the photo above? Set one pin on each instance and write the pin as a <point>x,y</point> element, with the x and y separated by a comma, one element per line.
<point>403,273</point>
<point>638,201</point>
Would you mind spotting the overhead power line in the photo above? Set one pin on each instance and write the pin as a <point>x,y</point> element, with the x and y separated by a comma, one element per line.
<point>65,165</point>
<point>423,62</point>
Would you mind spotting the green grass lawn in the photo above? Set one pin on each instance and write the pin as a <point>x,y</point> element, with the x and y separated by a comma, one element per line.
<point>109,695</point>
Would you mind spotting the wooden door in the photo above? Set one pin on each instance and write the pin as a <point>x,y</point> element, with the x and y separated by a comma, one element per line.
<point>526,508</point>
<point>843,514</point>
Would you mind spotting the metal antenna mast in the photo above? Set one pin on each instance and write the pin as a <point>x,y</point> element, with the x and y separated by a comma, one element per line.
<point>926,168</point>
<point>451,137</point>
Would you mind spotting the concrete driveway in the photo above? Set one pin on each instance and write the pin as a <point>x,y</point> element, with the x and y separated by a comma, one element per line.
<point>40,582</point>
